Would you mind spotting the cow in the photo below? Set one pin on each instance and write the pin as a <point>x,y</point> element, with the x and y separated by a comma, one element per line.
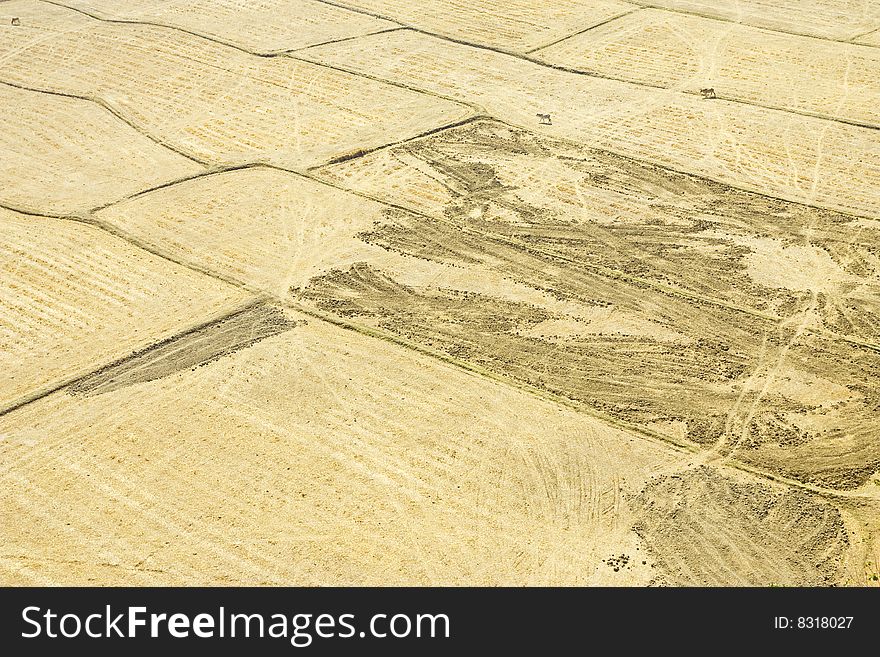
<point>544,119</point>
<point>708,93</point>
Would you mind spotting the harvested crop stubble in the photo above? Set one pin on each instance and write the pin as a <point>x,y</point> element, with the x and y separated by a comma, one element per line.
<point>65,155</point>
<point>75,298</point>
<point>795,157</point>
<point>215,103</point>
<point>317,456</point>
<point>664,317</point>
<point>262,26</point>
<point>835,19</point>
<point>743,63</point>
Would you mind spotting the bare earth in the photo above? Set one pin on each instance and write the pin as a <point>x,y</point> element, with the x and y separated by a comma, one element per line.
<point>306,292</point>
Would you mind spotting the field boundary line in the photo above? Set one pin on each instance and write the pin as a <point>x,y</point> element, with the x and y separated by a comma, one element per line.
<point>37,213</point>
<point>116,113</point>
<point>264,296</point>
<point>395,83</point>
<point>340,40</point>
<point>59,384</point>
<point>526,56</point>
<point>211,171</point>
<point>648,5</point>
<point>339,159</point>
<point>862,36</point>
<point>583,31</point>
<point>217,40</point>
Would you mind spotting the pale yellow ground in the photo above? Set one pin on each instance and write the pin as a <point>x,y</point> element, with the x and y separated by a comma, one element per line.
<point>739,62</point>
<point>219,105</point>
<point>216,155</point>
<point>793,156</point>
<point>75,298</point>
<point>833,19</point>
<point>264,227</point>
<point>66,155</point>
<point>318,457</point>
<point>517,25</point>
<point>262,26</point>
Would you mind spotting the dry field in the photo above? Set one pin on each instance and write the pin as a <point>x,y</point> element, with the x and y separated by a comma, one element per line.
<point>832,19</point>
<point>218,105</point>
<point>515,25</point>
<point>812,76</point>
<point>316,456</point>
<point>306,292</point>
<point>443,477</point>
<point>797,157</point>
<point>69,293</point>
<point>266,228</point>
<point>65,155</point>
<point>258,26</point>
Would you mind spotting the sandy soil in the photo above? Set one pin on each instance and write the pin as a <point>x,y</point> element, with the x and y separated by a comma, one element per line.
<point>64,155</point>
<point>742,63</point>
<point>793,156</point>
<point>261,26</point>
<point>216,104</point>
<point>833,19</point>
<point>311,292</point>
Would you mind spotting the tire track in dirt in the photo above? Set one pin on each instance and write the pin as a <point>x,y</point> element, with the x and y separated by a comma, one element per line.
<point>523,56</point>
<point>738,532</point>
<point>93,369</point>
<point>348,325</point>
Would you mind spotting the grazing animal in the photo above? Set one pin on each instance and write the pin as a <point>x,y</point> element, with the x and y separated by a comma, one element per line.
<point>708,93</point>
<point>545,119</point>
<point>16,21</point>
